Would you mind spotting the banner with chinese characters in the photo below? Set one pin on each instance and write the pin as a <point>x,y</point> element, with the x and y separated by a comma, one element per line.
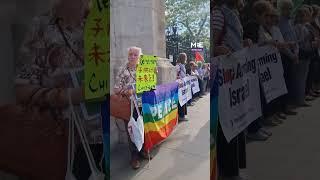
<point>146,76</point>
<point>97,50</point>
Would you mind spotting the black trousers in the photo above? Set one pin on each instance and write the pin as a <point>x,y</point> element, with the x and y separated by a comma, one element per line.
<point>312,75</point>
<point>256,125</point>
<point>287,66</point>
<point>230,156</point>
<point>182,111</point>
<point>81,168</point>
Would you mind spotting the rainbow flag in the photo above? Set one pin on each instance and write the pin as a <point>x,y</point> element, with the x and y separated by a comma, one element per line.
<point>213,126</point>
<point>160,113</point>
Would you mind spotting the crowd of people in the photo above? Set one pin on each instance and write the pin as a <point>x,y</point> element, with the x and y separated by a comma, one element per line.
<point>201,71</point>
<point>296,34</point>
<point>125,85</point>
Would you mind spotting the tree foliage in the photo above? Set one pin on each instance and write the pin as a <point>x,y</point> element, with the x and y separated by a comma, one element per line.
<point>190,16</point>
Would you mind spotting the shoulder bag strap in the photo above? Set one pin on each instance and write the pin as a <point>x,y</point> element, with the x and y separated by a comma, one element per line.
<point>66,40</point>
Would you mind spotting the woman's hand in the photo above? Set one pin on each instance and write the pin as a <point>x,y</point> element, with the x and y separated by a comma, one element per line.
<point>296,60</point>
<point>222,50</point>
<point>129,92</point>
<point>292,45</point>
<point>282,45</point>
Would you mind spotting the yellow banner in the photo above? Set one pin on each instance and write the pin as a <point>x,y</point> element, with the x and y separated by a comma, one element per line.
<point>146,75</point>
<point>97,50</point>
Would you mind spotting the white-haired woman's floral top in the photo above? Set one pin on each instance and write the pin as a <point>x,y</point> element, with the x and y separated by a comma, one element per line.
<point>126,79</point>
<point>45,60</point>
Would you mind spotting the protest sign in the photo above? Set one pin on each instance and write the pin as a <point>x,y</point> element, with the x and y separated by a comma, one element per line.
<point>184,91</point>
<point>160,113</point>
<point>239,92</point>
<point>195,85</point>
<point>270,72</point>
<point>146,77</point>
<point>97,51</point>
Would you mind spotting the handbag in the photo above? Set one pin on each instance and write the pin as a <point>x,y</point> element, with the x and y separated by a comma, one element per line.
<point>136,127</point>
<point>33,143</point>
<point>120,106</point>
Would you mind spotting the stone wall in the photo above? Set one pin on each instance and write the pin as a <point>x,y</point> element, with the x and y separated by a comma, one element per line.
<point>137,23</point>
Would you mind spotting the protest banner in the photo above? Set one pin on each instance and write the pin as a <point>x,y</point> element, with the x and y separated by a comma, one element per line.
<point>160,113</point>
<point>194,85</point>
<point>97,50</point>
<point>270,72</point>
<point>239,92</point>
<point>146,76</point>
<point>97,71</point>
<point>184,91</point>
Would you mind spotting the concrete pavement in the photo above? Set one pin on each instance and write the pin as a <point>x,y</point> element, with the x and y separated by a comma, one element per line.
<point>184,155</point>
<point>293,151</point>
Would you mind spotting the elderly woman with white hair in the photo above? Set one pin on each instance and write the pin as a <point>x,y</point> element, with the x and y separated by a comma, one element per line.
<point>53,47</point>
<point>125,84</point>
<point>291,57</point>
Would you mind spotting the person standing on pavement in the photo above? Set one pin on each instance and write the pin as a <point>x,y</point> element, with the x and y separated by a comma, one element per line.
<point>51,49</point>
<point>228,37</point>
<point>195,72</point>
<point>291,56</point>
<point>306,53</point>
<point>182,73</point>
<point>201,78</point>
<point>277,35</point>
<point>311,94</point>
<point>125,82</point>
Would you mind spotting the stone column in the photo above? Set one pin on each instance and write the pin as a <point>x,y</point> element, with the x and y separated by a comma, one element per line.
<point>136,23</point>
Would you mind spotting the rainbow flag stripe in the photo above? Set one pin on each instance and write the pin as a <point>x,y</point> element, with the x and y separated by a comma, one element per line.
<point>213,125</point>
<point>160,113</point>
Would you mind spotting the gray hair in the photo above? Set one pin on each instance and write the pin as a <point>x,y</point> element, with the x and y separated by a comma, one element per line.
<point>284,3</point>
<point>135,48</point>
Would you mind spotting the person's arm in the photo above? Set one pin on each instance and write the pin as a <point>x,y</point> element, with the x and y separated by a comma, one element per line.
<point>218,28</point>
<point>119,86</point>
<point>45,97</point>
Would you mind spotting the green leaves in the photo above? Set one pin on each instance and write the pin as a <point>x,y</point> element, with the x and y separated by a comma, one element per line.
<point>190,16</point>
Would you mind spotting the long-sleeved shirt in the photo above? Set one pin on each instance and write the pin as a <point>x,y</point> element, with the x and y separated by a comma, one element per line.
<point>45,63</point>
<point>181,70</point>
<point>229,20</point>
<point>304,37</point>
<point>289,35</point>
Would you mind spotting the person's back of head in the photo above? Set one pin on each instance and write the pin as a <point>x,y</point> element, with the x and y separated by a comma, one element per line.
<point>300,15</point>
<point>182,58</point>
<point>285,7</point>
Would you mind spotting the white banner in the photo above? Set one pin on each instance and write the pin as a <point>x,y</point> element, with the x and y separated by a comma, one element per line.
<point>195,85</point>
<point>270,72</point>
<point>239,92</point>
<point>184,91</point>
